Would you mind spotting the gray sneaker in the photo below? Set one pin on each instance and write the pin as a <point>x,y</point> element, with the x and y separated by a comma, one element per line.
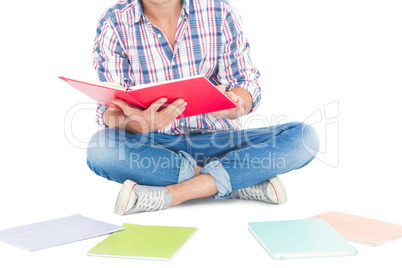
<point>134,198</point>
<point>270,191</point>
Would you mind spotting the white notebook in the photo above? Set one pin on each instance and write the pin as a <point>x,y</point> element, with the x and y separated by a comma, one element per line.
<point>56,232</point>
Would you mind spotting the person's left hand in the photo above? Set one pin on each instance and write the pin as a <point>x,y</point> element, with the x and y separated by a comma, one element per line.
<point>233,113</point>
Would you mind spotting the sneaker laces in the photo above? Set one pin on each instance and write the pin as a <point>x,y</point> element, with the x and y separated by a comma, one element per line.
<point>149,200</point>
<point>254,192</point>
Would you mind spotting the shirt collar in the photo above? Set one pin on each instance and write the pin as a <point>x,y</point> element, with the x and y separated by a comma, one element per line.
<point>138,11</point>
<point>186,6</point>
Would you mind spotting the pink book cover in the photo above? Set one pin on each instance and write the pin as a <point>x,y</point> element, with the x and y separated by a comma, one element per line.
<point>360,229</point>
<point>200,94</point>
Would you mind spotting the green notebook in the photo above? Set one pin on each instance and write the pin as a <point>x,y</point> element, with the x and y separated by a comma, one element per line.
<point>144,242</point>
<point>306,238</point>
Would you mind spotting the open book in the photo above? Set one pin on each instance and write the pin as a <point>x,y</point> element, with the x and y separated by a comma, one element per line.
<point>200,94</point>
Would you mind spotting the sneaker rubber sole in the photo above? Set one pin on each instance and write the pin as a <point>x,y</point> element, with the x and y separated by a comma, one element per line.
<point>277,190</point>
<point>123,199</point>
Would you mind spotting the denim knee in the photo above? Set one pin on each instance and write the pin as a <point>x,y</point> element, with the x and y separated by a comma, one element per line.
<point>310,139</point>
<point>305,144</point>
<point>103,149</point>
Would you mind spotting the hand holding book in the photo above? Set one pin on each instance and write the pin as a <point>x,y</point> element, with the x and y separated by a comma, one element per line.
<point>138,120</point>
<point>232,113</point>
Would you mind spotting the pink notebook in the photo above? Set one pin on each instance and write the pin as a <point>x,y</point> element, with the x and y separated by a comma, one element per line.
<point>359,229</point>
<point>201,96</point>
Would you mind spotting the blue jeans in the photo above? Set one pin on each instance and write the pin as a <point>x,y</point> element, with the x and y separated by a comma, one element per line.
<point>236,159</point>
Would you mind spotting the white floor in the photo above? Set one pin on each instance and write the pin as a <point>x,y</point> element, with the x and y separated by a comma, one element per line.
<point>334,65</point>
<point>222,238</point>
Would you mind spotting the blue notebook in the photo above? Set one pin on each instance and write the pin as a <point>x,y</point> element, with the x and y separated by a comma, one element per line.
<point>307,238</point>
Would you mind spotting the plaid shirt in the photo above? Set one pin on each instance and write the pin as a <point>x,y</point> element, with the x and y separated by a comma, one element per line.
<point>129,50</point>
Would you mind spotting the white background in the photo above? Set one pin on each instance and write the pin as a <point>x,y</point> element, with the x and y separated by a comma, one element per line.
<point>342,55</point>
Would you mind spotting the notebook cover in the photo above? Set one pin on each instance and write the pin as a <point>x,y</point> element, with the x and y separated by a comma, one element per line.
<point>56,232</point>
<point>144,242</point>
<point>360,229</point>
<point>200,94</point>
<point>307,238</point>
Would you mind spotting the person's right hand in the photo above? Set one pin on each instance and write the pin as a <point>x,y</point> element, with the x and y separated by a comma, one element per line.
<point>143,121</point>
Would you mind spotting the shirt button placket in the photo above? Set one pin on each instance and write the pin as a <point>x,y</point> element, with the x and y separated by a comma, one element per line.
<point>174,69</point>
